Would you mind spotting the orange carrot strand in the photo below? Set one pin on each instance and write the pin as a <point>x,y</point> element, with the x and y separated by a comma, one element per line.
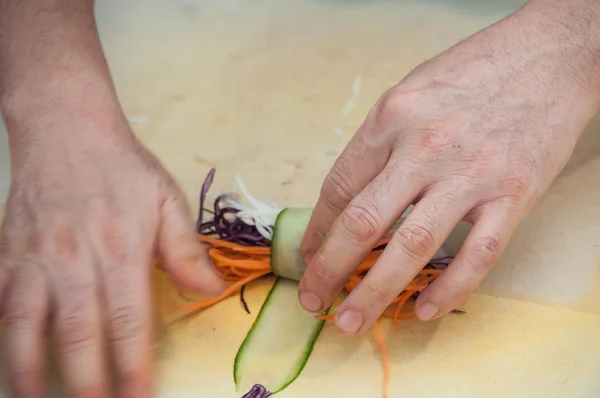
<point>234,246</point>
<point>243,264</point>
<point>403,299</point>
<point>228,292</point>
<point>250,263</point>
<point>385,358</point>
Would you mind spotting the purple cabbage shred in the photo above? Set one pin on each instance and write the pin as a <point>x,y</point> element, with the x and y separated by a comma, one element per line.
<point>258,391</point>
<point>225,224</point>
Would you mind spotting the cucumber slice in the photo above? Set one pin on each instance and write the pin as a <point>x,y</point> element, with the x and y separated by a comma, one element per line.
<point>286,259</point>
<point>279,343</point>
<point>276,349</point>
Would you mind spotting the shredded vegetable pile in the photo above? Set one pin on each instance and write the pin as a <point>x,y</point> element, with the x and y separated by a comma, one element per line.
<point>238,237</point>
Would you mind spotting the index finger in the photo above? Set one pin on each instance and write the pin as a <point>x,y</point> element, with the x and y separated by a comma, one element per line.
<point>366,219</point>
<point>362,160</point>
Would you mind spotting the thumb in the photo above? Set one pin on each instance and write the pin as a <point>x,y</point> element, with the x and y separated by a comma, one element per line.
<point>185,259</point>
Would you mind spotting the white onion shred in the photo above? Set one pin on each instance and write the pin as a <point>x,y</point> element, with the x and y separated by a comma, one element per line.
<point>138,119</point>
<point>349,105</point>
<point>258,213</point>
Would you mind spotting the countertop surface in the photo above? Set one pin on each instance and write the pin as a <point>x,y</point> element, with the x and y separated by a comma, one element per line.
<point>265,89</point>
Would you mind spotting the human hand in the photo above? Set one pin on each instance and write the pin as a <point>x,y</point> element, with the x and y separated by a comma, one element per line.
<point>478,134</point>
<point>87,210</point>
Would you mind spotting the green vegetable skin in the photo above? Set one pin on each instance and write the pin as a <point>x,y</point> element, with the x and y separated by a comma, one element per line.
<point>286,258</point>
<point>282,337</point>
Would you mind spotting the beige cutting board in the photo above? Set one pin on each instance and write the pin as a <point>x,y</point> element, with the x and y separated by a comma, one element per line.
<point>265,88</point>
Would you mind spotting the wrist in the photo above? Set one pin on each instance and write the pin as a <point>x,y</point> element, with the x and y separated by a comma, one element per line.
<point>52,67</point>
<point>50,130</point>
<point>569,32</point>
<point>43,100</point>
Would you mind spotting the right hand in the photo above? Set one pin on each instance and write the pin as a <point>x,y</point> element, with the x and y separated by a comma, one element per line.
<point>477,133</point>
<point>88,209</point>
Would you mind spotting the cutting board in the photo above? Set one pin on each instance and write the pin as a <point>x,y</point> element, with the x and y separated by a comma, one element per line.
<point>265,89</point>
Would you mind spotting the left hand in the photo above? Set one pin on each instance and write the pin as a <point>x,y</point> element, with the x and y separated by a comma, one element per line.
<point>478,133</point>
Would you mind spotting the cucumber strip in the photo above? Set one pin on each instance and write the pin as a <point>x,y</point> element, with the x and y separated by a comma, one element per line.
<point>279,343</point>
<point>286,259</point>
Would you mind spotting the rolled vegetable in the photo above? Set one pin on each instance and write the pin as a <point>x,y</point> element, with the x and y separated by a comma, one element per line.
<point>248,243</point>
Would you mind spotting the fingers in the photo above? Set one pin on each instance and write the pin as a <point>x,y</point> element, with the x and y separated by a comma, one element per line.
<point>353,235</point>
<point>478,254</point>
<point>411,247</point>
<point>77,329</point>
<point>129,317</point>
<point>360,162</point>
<point>186,261</point>
<point>25,314</point>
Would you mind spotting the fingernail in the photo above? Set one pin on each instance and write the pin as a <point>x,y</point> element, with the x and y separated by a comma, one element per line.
<point>427,311</point>
<point>350,321</point>
<point>310,301</point>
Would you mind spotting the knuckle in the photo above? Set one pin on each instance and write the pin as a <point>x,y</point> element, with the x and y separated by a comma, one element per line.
<point>19,317</point>
<point>22,371</point>
<point>388,108</point>
<point>64,244</point>
<point>416,240</point>
<point>490,152</point>
<point>126,323</point>
<point>74,333</point>
<point>362,221</point>
<point>518,186</point>
<point>438,137</point>
<point>115,244</point>
<point>22,306</point>
<point>324,273</point>
<point>130,377</point>
<point>448,201</point>
<point>337,191</point>
<point>309,246</point>
<point>489,246</point>
<point>488,161</point>
<point>176,206</point>
<point>375,294</point>
<point>27,276</point>
<point>74,324</point>
<point>306,253</point>
<point>484,252</point>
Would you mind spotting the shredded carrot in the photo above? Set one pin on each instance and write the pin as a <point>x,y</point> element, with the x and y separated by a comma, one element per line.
<point>241,265</point>
<point>233,246</point>
<point>385,357</point>
<point>230,291</point>
<point>403,298</point>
